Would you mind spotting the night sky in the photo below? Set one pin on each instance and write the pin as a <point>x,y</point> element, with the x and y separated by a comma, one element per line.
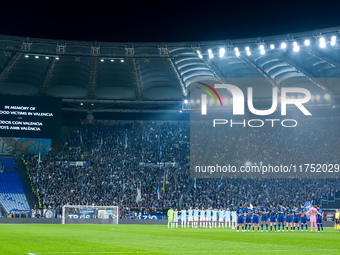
<point>141,21</point>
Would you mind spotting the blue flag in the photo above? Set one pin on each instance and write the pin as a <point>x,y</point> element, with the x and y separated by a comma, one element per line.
<point>220,184</point>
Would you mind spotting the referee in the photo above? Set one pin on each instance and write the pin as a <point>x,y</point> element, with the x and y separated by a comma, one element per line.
<point>337,217</point>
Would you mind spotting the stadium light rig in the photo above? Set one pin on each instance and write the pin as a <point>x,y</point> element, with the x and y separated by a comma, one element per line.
<point>272,46</point>
<point>283,45</point>
<point>296,47</point>
<point>322,42</point>
<point>307,42</point>
<point>327,96</point>
<point>222,52</point>
<point>333,40</point>
<point>211,55</point>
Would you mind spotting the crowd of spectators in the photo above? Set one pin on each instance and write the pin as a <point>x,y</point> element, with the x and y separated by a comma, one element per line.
<point>122,157</point>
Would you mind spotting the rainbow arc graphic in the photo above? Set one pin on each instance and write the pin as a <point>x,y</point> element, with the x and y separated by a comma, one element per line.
<point>209,93</point>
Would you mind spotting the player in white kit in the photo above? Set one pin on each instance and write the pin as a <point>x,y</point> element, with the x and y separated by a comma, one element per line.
<point>227,218</point>
<point>214,217</point>
<point>220,217</point>
<point>190,218</point>
<point>208,217</point>
<point>234,219</point>
<point>202,217</point>
<point>175,219</point>
<point>183,217</point>
<point>196,217</point>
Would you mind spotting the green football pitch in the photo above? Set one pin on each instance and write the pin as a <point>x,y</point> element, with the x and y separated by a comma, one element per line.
<point>156,239</point>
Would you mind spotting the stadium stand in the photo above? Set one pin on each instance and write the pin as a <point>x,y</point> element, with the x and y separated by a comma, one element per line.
<point>12,196</point>
<point>8,164</point>
<point>114,152</point>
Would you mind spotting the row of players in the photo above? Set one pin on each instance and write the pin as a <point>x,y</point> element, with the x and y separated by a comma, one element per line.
<point>249,217</point>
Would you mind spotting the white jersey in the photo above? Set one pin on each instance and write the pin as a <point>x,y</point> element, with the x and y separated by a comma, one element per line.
<point>189,213</point>
<point>233,215</point>
<point>208,214</point>
<point>227,215</point>
<point>184,215</point>
<point>214,214</point>
<point>221,215</point>
<point>175,215</point>
<point>202,215</point>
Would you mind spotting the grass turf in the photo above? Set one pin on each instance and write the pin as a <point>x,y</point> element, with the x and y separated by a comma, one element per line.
<point>155,239</point>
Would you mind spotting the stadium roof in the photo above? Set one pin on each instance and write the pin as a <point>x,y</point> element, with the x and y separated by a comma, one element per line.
<point>155,75</point>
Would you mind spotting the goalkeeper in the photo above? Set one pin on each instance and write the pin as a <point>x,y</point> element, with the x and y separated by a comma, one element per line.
<point>170,217</point>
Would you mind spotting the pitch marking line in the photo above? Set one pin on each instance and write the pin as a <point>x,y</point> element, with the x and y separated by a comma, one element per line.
<point>144,252</point>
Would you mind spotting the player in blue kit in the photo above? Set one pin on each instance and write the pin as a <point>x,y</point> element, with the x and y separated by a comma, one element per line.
<point>281,219</point>
<point>289,219</point>
<point>319,218</point>
<point>303,218</point>
<point>196,217</point>
<point>272,212</point>
<point>256,215</point>
<point>264,217</point>
<point>202,217</point>
<point>240,217</point>
<point>296,220</point>
<point>249,214</point>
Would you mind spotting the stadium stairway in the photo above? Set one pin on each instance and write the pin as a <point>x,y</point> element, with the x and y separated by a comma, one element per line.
<point>12,196</point>
<point>26,183</point>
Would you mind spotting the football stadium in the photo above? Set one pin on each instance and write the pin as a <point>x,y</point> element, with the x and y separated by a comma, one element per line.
<point>195,147</point>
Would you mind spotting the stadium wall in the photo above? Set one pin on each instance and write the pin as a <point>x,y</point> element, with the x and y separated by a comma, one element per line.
<point>134,221</point>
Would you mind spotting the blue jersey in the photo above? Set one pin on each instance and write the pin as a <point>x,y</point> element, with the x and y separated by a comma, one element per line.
<point>214,214</point>
<point>303,211</point>
<point>264,209</point>
<point>195,213</point>
<point>190,213</point>
<point>280,209</point>
<point>208,213</point>
<point>289,211</point>
<point>183,214</point>
<point>296,212</point>
<point>249,213</point>
<point>272,210</point>
<point>256,212</point>
<point>319,215</point>
<point>221,214</point>
<point>240,211</point>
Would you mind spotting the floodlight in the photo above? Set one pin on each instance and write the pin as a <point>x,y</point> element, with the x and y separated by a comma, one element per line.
<point>222,51</point>
<point>283,45</point>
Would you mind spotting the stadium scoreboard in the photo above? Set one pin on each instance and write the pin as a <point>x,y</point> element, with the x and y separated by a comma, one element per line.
<point>30,117</point>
